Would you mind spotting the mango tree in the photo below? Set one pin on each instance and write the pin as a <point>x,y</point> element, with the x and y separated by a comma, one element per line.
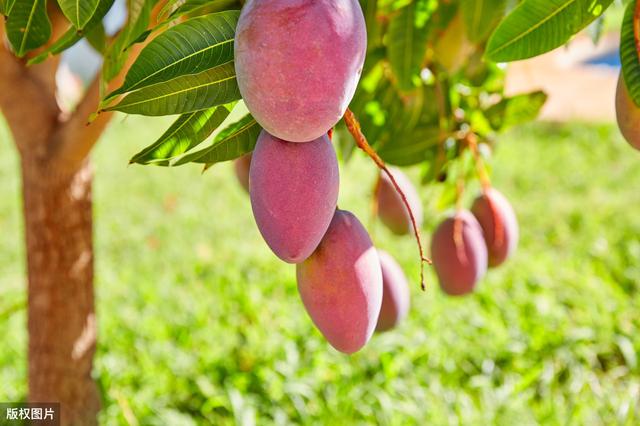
<point>422,80</point>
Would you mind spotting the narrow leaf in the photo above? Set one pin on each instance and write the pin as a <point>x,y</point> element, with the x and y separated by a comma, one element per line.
<point>184,94</point>
<point>538,26</point>
<point>28,27</point>
<point>198,7</point>
<point>188,48</point>
<point>79,12</point>
<point>187,132</point>
<point>5,7</point>
<point>515,110</point>
<point>72,35</point>
<point>481,17</point>
<point>407,43</point>
<point>629,55</point>
<point>233,142</point>
<point>137,23</point>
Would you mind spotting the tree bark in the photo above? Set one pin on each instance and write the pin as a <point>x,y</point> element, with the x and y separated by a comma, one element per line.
<point>61,317</point>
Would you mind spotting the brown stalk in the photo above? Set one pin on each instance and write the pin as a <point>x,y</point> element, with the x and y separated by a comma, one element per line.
<point>361,141</point>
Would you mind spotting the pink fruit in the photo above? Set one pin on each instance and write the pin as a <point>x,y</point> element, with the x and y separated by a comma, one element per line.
<point>391,208</point>
<point>341,284</point>
<point>395,293</point>
<point>298,63</point>
<point>499,225</point>
<point>294,191</point>
<point>241,167</point>
<point>459,265</point>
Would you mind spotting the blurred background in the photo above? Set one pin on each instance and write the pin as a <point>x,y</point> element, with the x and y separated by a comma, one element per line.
<point>199,323</point>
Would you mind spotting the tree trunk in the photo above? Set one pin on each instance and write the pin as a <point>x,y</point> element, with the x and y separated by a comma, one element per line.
<point>61,318</point>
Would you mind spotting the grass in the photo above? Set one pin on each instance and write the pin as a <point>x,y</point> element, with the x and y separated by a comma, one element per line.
<point>200,324</point>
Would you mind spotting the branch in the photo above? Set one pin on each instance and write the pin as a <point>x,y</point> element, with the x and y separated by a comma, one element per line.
<point>30,113</point>
<point>76,137</point>
<point>361,141</point>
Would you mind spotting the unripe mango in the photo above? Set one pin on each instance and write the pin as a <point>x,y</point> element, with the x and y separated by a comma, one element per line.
<point>341,284</point>
<point>459,265</point>
<point>298,63</point>
<point>627,114</point>
<point>499,225</point>
<point>241,167</point>
<point>293,190</point>
<point>395,293</point>
<point>391,210</point>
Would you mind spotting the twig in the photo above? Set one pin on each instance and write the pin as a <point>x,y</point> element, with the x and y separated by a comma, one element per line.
<point>361,141</point>
<point>472,142</point>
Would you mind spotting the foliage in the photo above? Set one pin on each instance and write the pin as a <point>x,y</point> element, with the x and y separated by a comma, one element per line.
<point>430,76</point>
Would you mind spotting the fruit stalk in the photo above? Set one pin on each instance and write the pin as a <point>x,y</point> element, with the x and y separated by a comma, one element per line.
<point>472,143</point>
<point>361,141</point>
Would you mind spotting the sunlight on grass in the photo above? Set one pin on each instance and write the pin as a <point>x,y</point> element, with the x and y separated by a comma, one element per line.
<point>200,323</point>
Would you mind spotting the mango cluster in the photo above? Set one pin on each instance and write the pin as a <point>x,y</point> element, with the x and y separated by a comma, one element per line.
<point>298,63</point>
<point>465,244</point>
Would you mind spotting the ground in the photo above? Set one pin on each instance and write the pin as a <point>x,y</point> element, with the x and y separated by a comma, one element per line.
<point>201,324</point>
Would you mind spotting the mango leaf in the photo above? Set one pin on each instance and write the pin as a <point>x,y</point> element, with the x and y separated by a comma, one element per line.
<point>28,27</point>
<point>370,11</point>
<point>72,35</point>
<point>233,142</point>
<point>515,110</point>
<point>5,7</point>
<point>187,132</point>
<point>538,26</point>
<point>187,93</point>
<point>79,12</point>
<point>188,48</point>
<point>481,17</point>
<point>629,55</point>
<point>175,9</point>
<point>137,23</point>
<point>97,38</point>
<point>412,148</point>
<point>407,43</point>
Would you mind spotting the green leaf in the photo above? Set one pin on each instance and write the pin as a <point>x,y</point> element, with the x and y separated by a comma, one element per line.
<point>28,27</point>
<point>179,8</point>
<point>79,12</point>
<point>5,7</point>
<point>184,94</point>
<point>137,23</point>
<point>629,55</point>
<point>481,17</point>
<point>188,48</point>
<point>72,36</point>
<point>97,38</point>
<point>515,110</point>
<point>407,43</point>
<point>233,142</point>
<point>370,11</point>
<point>187,132</point>
<point>538,26</point>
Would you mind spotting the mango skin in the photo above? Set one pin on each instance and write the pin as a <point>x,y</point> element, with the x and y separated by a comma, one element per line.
<point>627,114</point>
<point>341,284</point>
<point>294,191</point>
<point>241,168</point>
<point>501,249</point>
<point>458,275</point>
<point>391,210</point>
<point>395,293</point>
<point>298,63</point>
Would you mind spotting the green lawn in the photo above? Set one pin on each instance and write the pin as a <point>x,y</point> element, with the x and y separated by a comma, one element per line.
<point>201,324</point>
